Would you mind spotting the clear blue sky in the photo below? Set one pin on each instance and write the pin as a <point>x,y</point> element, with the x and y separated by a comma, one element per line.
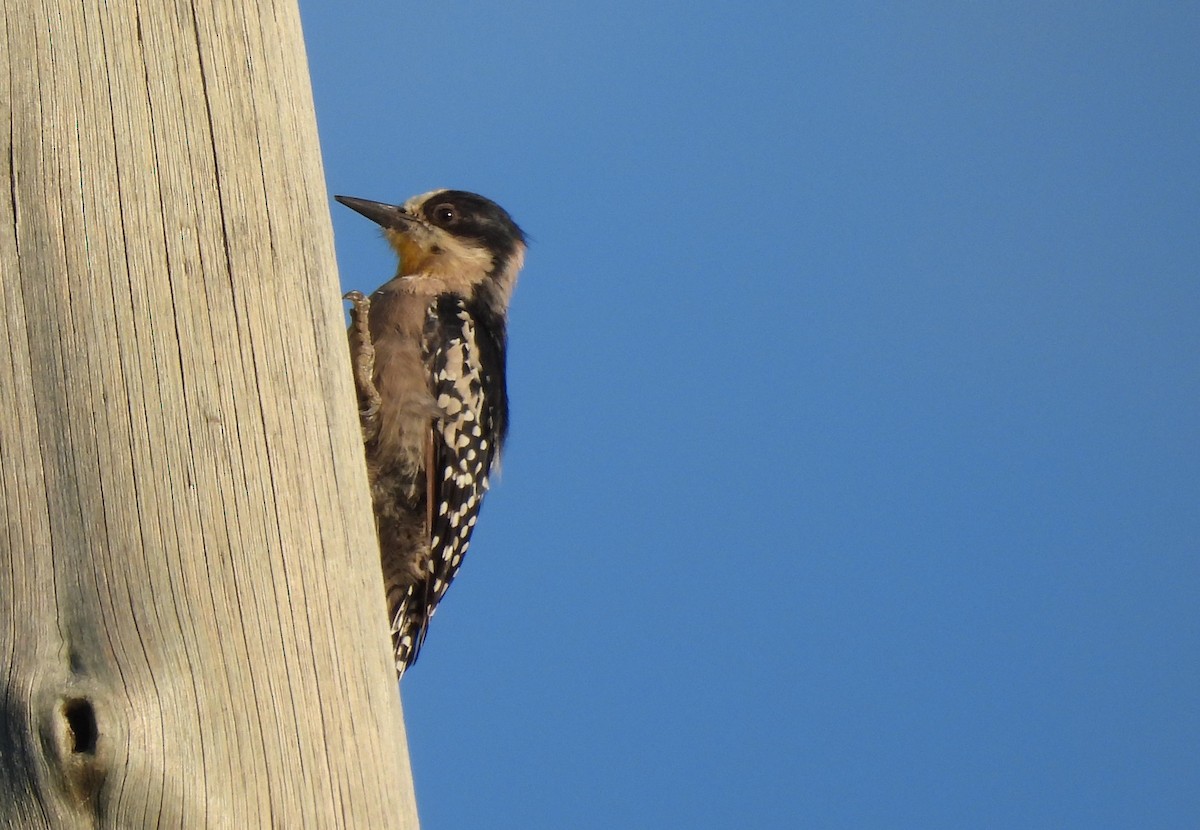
<point>854,475</point>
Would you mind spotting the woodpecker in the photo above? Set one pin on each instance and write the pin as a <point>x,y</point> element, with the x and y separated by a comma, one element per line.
<point>428,355</point>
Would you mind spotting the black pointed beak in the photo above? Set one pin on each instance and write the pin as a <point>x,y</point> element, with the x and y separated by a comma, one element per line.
<point>389,216</point>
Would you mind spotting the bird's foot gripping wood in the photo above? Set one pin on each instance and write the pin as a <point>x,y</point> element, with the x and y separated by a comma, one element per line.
<point>362,359</point>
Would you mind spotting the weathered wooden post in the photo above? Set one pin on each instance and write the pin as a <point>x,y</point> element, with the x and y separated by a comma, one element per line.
<point>192,630</point>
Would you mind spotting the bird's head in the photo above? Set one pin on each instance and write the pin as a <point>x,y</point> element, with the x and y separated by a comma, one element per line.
<point>453,237</point>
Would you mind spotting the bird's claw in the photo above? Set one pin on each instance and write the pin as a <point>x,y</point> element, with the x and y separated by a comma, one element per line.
<point>362,361</point>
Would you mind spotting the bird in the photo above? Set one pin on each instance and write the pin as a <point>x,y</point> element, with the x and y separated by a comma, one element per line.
<point>428,351</point>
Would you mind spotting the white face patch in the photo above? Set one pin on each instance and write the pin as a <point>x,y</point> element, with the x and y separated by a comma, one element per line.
<point>415,204</point>
<point>427,251</point>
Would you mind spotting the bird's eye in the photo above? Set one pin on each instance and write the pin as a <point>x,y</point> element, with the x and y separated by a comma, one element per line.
<point>445,214</point>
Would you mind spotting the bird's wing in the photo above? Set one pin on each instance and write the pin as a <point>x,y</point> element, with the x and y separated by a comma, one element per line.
<point>468,388</point>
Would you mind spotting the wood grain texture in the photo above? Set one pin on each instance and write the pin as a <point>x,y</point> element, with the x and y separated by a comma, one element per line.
<point>192,630</point>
